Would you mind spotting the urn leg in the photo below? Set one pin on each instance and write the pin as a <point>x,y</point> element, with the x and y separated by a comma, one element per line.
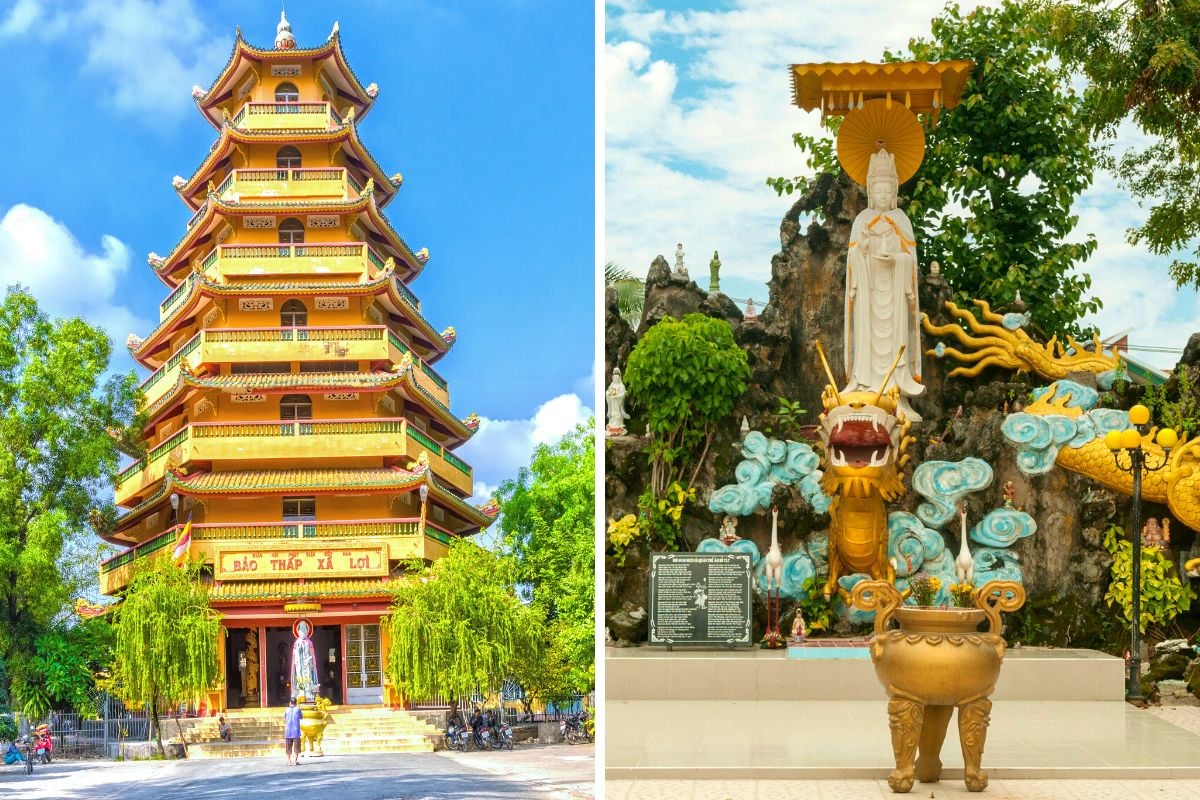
<point>972,731</point>
<point>933,733</point>
<point>906,718</point>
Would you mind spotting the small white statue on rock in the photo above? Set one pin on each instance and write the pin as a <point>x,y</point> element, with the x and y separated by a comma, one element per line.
<point>729,533</point>
<point>750,314</point>
<point>614,399</point>
<point>680,270</point>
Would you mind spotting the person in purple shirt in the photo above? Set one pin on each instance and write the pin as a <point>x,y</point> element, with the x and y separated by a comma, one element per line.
<point>291,732</point>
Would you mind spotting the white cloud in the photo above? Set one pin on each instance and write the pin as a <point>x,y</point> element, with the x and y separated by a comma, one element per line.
<point>502,446</point>
<point>43,255</point>
<point>20,18</point>
<point>699,112</point>
<point>148,53</point>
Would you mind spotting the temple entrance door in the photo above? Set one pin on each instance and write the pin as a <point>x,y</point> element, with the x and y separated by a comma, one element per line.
<point>241,668</point>
<point>364,667</point>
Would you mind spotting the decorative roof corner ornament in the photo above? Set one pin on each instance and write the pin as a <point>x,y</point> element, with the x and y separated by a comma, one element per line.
<point>389,265</point>
<point>373,90</point>
<point>211,189</point>
<point>368,188</point>
<point>178,182</point>
<point>226,122</point>
<point>199,93</point>
<point>155,260</point>
<point>133,342</point>
<point>491,508</point>
<point>471,422</point>
<point>237,32</point>
<point>422,465</point>
<point>284,40</point>
<point>404,364</point>
<point>87,610</point>
<point>423,255</point>
<point>351,114</point>
<point>396,180</point>
<point>449,336</point>
<point>333,33</point>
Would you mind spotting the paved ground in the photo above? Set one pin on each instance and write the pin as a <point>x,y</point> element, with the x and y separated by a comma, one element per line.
<point>531,772</point>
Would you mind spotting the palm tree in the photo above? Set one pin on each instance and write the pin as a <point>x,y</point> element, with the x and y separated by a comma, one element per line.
<point>631,292</point>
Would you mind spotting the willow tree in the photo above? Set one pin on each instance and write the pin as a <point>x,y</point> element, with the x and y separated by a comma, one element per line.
<point>166,651</point>
<point>456,625</point>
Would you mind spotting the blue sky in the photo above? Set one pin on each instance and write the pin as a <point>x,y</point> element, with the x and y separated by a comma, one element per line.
<point>486,108</point>
<point>698,112</point>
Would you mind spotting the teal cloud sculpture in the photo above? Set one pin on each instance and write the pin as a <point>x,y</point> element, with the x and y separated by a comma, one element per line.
<point>1002,527</point>
<point>944,483</point>
<point>798,570</point>
<point>996,564</point>
<point>738,546</point>
<point>766,464</point>
<point>911,544</point>
<point>1039,437</point>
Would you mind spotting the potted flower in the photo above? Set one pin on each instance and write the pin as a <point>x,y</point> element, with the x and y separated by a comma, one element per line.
<point>937,660</point>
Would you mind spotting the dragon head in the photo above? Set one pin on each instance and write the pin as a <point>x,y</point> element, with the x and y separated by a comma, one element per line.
<point>865,439</point>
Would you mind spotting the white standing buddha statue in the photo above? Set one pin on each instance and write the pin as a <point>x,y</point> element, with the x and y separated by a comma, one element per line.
<point>882,313</point>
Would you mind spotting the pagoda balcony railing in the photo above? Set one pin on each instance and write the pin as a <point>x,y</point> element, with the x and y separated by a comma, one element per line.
<point>427,378</point>
<point>252,345</point>
<point>310,258</point>
<point>308,442</point>
<point>401,535</point>
<point>297,182</point>
<point>286,116</point>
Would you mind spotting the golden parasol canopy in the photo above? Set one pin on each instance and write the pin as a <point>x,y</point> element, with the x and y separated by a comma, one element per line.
<point>875,124</point>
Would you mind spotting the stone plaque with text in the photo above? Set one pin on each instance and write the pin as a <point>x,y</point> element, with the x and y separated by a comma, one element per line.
<point>700,598</point>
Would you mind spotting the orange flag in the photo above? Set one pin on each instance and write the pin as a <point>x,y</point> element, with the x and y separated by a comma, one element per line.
<point>182,544</point>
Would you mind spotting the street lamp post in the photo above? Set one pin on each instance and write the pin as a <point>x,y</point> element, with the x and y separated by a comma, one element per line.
<point>1135,462</point>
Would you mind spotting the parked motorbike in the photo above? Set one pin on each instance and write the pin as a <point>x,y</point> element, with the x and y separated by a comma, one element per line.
<point>456,736</point>
<point>574,729</point>
<point>503,736</point>
<point>43,743</point>
<point>485,737</point>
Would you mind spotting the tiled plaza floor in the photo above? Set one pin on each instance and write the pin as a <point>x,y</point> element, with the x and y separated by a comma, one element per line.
<point>1052,789</point>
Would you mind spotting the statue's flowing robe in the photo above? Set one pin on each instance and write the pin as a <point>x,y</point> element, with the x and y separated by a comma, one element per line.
<point>304,667</point>
<point>881,304</point>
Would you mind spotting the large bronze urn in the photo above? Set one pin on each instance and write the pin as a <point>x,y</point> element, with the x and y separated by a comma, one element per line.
<point>314,717</point>
<point>937,660</point>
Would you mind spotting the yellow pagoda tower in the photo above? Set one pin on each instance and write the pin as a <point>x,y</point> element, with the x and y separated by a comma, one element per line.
<point>294,415</point>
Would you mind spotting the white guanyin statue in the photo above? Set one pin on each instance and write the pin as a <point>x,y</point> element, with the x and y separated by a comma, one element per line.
<point>881,291</point>
<point>614,399</point>
<point>304,664</point>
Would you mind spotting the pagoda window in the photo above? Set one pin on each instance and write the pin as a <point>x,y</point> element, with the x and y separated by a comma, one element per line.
<point>288,157</point>
<point>329,366</point>
<point>260,367</point>
<point>291,231</point>
<point>299,509</point>
<point>293,314</point>
<point>287,93</point>
<point>295,406</point>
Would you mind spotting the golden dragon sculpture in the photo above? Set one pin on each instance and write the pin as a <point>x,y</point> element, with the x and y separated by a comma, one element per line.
<point>995,345</point>
<point>1177,485</point>
<point>865,441</point>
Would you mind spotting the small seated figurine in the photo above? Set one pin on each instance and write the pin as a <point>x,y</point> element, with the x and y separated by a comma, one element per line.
<point>1010,494</point>
<point>798,629</point>
<point>729,533</point>
<point>1152,535</point>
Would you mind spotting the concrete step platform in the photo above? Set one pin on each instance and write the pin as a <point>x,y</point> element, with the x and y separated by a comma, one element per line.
<point>816,740</point>
<point>1029,673</point>
<point>275,748</point>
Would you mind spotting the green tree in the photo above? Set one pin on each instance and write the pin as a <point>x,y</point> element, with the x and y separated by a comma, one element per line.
<point>56,411</point>
<point>992,199</point>
<point>684,375</point>
<point>456,625</point>
<point>1142,61</point>
<point>166,648</point>
<point>61,670</point>
<point>549,526</point>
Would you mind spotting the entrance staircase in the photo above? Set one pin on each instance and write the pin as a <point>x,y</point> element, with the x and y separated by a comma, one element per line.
<point>351,729</point>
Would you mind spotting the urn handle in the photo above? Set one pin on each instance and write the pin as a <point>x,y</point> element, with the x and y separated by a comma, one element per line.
<point>996,596</point>
<point>880,597</point>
